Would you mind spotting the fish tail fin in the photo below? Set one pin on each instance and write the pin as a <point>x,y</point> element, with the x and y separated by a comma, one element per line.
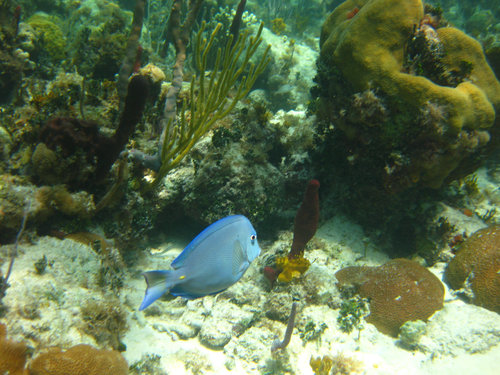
<point>159,283</point>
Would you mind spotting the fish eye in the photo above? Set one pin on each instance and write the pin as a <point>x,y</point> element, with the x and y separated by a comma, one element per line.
<point>253,237</point>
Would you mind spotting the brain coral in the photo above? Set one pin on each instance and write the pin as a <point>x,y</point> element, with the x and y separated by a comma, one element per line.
<point>399,291</point>
<point>368,49</point>
<point>79,360</point>
<point>477,264</point>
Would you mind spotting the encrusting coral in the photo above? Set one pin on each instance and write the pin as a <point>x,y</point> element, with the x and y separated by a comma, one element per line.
<point>401,290</point>
<point>477,266</point>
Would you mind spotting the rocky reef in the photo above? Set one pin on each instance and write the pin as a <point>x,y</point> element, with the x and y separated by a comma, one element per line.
<point>407,105</point>
<point>452,119</point>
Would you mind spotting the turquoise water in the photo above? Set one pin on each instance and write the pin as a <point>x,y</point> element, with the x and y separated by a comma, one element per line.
<point>127,127</point>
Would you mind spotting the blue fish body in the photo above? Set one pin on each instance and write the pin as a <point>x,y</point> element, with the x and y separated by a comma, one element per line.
<point>213,261</point>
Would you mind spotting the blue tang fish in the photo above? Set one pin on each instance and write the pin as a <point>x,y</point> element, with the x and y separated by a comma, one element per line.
<point>212,262</point>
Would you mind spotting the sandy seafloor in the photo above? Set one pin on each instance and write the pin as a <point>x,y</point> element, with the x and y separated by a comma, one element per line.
<point>46,310</point>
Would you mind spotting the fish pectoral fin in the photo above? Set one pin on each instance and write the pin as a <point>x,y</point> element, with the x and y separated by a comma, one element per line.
<point>239,258</point>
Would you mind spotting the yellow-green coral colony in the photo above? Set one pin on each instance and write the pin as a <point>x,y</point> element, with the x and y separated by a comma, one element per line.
<point>369,48</point>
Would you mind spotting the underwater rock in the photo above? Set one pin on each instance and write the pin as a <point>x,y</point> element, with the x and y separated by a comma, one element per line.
<point>278,306</point>
<point>183,330</point>
<point>411,332</point>
<point>253,346</point>
<point>290,73</point>
<point>476,267</point>
<point>448,334</point>
<point>227,320</point>
<point>247,165</point>
<point>99,39</point>
<point>399,291</point>
<point>188,317</point>
<point>46,202</point>
<point>215,334</point>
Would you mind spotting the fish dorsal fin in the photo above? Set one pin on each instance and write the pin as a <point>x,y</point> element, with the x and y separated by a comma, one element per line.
<point>239,257</point>
<point>206,233</point>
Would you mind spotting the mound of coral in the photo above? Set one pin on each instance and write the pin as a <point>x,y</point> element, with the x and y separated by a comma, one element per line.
<point>421,95</point>
<point>401,290</point>
<point>477,267</point>
<point>77,360</point>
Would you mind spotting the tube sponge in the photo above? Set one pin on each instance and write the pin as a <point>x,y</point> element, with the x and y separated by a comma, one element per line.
<point>305,226</point>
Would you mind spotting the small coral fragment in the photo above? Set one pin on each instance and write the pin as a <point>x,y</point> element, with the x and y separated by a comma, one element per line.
<point>321,365</point>
<point>339,364</point>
